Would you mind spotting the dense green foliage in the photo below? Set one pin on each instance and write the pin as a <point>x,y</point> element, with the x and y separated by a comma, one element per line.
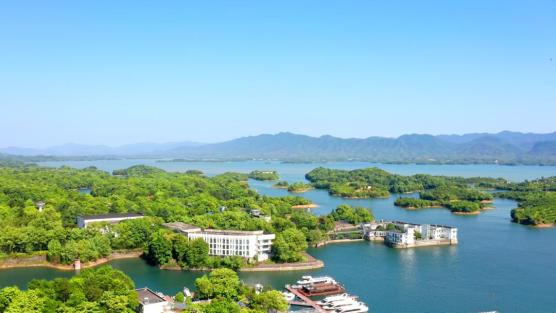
<point>220,202</point>
<point>264,175</point>
<point>463,206</point>
<point>536,209</point>
<point>226,291</point>
<point>106,290</point>
<point>288,245</point>
<point>537,201</point>
<point>352,215</point>
<point>161,196</point>
<point>95,291</point>
<point>416,203</point>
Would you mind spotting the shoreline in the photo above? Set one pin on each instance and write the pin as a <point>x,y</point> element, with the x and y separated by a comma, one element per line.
<point>300,190</point>
<point>341,241</point>
<point>412,208</point>
<point>544,225</point>
<point>305,206</point>
<point>42,262</point>
<point>467,213</point>
<point>310,263</point>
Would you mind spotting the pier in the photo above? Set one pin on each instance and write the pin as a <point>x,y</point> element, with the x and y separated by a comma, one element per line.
<point>306,300</point>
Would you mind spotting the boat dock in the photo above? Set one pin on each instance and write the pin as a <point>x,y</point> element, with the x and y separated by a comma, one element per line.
<point>306,300</point>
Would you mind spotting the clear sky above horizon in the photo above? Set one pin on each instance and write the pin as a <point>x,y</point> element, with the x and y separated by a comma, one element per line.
<point>116,72</point>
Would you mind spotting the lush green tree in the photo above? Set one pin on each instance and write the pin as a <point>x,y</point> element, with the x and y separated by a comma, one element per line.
<point>220,283</point>
<point>159,248</point>
<point>352,215</point>
<point>197,254</point>
<point>288,245</point>
<point>180,297</point>
<point>267,301</point>
<point>26,302</point>
<point>6,297</point>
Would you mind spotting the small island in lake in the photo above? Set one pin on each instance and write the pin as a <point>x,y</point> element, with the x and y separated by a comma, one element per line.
<point>463,196</point>
<point>281,184</point>
<point>264,175</point>
<point>299,187</point>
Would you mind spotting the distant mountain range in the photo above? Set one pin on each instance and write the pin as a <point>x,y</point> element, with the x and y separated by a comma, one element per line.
<point>504,147</point>
<point>72,149</point>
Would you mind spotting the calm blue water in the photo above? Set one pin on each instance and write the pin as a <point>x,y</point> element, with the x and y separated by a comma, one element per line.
<point>498,265</point>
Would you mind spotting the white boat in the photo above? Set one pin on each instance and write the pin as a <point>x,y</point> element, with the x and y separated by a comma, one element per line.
<point>330,299</point>
<point>310,280</point>
<point>338,304</point>
<point>288,296</point>
<point>358,307</point>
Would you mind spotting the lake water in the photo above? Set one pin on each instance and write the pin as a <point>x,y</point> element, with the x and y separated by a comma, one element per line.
<point>498,265</point>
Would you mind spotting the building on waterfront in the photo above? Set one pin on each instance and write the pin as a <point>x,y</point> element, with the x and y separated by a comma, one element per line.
<point>254,245</point>
<point>84,220</point>
<point>151,302</point>
<point>405,235</point>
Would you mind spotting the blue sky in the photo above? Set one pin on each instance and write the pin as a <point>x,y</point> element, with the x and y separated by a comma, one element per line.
<point>115,72</point>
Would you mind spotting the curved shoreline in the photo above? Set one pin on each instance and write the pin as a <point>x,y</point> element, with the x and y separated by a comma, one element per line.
<point>305,206</point>
<point>467,213</point>
<point>42,262</point>
<point>300,190</point>
<point>544,225</point>
<point>413,208</point>
<point>310,263</point>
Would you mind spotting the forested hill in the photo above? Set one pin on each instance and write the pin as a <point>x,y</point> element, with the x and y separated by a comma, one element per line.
<point>505,147</point>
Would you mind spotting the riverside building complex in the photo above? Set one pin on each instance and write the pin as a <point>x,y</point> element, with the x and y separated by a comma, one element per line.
<point>407,235</point>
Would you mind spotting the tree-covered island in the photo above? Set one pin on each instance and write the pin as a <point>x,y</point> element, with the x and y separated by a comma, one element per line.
<point>460,195</point>
<point>536,198</point>
<point>281,184</point>
<point>39,206</point>
<point>299,187</point>
<point>264,175</point>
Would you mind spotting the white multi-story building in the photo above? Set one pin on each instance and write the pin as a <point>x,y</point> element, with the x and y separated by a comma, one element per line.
<point>248,244</point>
<point>437,232</point>
<point>407,234</point>
<point>406,237</point>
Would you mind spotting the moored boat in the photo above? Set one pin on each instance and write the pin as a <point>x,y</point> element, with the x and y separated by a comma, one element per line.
<point>335,298</point>
<point>358,307</point>
<point>310,280</point>
<point>288,296</point>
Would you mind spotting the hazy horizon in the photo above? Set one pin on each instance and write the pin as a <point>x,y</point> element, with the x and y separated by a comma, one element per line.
<point>115,73</point>
<point>192,142</point>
